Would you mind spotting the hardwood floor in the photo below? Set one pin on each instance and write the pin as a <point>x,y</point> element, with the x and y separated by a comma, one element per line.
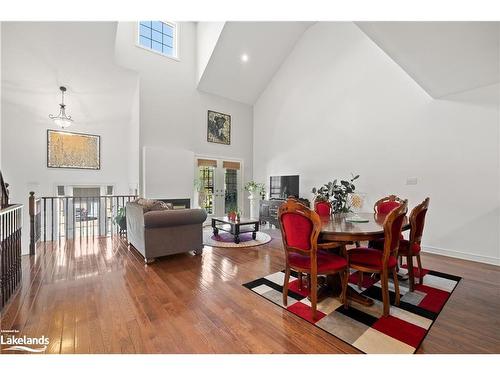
<point>97,296</point>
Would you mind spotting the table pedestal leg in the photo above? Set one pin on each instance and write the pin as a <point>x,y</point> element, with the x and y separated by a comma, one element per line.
<point>334,288</point>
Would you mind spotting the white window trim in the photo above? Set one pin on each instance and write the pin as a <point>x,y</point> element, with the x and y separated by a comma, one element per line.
<point>175,26</point>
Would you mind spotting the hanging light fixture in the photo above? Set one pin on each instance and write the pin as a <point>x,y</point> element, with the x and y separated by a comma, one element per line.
<point>62,119</point>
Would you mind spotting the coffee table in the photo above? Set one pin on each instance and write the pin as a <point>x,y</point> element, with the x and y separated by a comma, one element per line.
<point>235,226</point>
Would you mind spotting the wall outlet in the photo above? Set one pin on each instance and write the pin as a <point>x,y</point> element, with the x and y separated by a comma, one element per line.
<point>411,181</point>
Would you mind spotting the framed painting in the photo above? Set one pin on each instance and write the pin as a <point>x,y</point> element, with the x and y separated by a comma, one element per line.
<point>218,128</point>
<point>73,150</point>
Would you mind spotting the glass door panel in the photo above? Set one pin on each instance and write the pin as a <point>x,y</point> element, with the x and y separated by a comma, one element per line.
<point>206,175</point>
<point>230,190</point>
<point>218,186</point>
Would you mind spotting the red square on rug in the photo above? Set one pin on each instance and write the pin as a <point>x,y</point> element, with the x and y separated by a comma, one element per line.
<point>305,312</point>
<point>400,330</point>
<point>434,299</point>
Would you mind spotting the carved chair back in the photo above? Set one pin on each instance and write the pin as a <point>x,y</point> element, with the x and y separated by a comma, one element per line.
<point>387,204</point>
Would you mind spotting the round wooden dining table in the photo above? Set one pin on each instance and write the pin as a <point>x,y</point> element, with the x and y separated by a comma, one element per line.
<point>338,228</point>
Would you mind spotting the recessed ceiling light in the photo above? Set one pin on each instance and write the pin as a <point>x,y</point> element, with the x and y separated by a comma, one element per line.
<point>244,57</point>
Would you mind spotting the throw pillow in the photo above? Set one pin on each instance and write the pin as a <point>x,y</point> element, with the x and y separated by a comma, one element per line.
<point>153,205</point>
<point>160,206</point>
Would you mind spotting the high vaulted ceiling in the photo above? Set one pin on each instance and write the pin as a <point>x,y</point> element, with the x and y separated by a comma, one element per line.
<point>38,57</point>
<point>442,57</point>
<point>267,45</point>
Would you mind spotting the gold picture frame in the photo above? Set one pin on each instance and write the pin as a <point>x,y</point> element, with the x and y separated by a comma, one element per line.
<point>73,150</point>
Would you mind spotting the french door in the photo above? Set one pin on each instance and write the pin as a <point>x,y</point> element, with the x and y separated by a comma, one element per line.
<point>218,186</point>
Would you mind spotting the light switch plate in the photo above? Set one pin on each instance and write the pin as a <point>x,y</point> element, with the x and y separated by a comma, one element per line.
<point>411,181</point>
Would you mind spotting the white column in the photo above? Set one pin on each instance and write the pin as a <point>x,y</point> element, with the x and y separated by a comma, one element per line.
<point>254,205</point>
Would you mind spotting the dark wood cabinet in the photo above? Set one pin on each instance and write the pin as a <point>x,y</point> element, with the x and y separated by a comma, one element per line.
<point>268,211</point>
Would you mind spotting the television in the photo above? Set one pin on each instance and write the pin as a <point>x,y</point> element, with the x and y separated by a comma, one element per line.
<point>281,187</point>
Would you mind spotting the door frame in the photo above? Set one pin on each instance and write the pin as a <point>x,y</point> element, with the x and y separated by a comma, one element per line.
<point>241,201</point>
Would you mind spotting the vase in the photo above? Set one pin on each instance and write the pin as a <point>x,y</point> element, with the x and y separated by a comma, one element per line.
<point>356,202</point>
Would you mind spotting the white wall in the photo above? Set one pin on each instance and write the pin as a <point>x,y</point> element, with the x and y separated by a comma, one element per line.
<point>339,104</point>
<point>173,114</point>
<point>172,162</point>
<point>207,35</point>
<point>37,58</point>
<point>133,137</point>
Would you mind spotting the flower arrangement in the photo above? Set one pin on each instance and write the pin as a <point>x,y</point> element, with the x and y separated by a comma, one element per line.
<point>337,194</point>
<point>256,188</point>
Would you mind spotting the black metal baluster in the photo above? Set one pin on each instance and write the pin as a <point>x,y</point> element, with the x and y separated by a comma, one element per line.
<point>106,216</point>
<point>66,223</point>
<point>52,218</point>
<point>44,220</point>
<point>59,217</point>
<point>73,218</point>
<point>80,221</point>
<point>99,215</point>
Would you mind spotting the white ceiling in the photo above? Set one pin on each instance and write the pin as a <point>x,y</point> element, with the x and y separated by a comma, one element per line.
<point>38,57</point>
<point>442,57</point>
<point>266,43</point>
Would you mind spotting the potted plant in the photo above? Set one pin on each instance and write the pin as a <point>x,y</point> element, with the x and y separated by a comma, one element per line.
<point>232,213</point>
<point>337,194</point>
<point>120,219</point>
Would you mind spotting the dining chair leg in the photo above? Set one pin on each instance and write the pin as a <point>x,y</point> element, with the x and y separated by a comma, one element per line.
<point>285,286</point>
<point>300,280</point>
<point>400,261</point>
<point>345,281</point>
<point>385,292</point>
<point>420,273</point>
<point>396,286</point>
<point>360,279</point>
<point>411,273</point>
<point>313,290</point>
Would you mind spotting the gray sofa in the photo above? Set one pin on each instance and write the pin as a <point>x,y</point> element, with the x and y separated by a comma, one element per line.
<point>158,233</point>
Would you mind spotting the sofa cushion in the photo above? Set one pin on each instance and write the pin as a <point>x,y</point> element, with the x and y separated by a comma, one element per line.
<point>170,218</point>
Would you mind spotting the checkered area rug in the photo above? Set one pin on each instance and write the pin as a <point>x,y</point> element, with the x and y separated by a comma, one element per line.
<point>364,327</point>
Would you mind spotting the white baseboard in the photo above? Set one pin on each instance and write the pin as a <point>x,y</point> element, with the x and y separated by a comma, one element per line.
<point>461,255</point>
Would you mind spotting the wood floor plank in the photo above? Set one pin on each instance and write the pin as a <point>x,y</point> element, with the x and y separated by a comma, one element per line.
<point>97,296</point>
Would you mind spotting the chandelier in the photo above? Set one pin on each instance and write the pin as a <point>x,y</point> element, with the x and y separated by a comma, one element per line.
<point>62,119</point>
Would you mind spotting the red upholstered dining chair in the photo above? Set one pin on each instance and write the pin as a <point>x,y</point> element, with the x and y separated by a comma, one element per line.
<point>411,248</point>
<point>323,208</point>
<point>300,228</point>
<point>382,206</point>
<point>371,260</point>
<point>387,204</point>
